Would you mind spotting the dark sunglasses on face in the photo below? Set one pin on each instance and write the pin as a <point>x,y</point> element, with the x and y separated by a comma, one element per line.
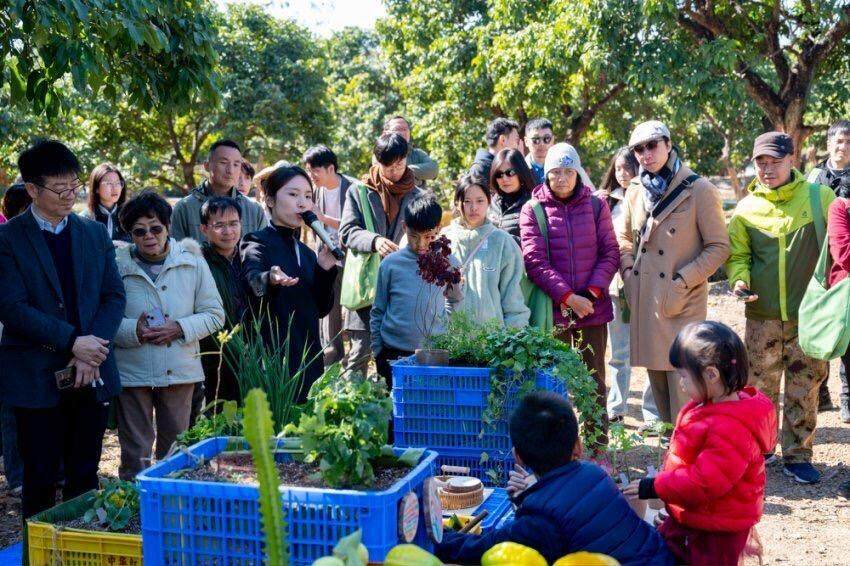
<point>142,232</point>
<point>650,145</point>
<point>506,173</point>
<point>545,139</point>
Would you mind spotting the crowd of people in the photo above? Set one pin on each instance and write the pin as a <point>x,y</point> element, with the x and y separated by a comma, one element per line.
<point>108,312</point>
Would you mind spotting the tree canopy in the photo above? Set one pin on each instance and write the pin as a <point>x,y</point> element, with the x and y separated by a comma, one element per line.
<point>150,85</point>
<point>149,52</point>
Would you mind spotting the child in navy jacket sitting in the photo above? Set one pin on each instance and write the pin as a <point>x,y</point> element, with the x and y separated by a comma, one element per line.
<point>573,506</point>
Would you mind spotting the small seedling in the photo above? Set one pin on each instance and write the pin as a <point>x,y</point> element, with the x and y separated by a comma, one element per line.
<point>114,505</point>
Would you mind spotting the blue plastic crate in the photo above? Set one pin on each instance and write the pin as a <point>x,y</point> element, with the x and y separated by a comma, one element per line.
<point>194,522</point>
<point>498,505</point>
<point>442,406</point>
<point>491,467</point>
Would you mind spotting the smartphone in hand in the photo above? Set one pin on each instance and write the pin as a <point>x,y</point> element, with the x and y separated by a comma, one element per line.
<point>65,378</point>
<point>743,294</point>
<point>155,318</point>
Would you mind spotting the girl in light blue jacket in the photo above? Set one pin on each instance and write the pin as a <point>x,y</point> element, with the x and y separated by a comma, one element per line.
<point>491,259</point>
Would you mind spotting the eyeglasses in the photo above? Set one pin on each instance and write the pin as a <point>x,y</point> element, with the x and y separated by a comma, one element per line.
<point>506,173</point>
<point>112,185</point>
<point>538,140</point>
<point>220,226</point>
<point>142,232</point>
<point>63,192</point>
<point>650,145</point>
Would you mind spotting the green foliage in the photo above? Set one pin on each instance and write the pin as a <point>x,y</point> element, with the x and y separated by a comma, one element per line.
<point>227,422</point>
<point>344,428</point>
<point>620,441</point>
<point>154,52</point>
<point>458,65</point>
<point>259,431</point>
<point>785,61</point>
<point>360,95</point>
<point>272,100</point>
<point>263,364</point>
<point>114,504</point>
<point>465,339</point>
<point>515,354</point>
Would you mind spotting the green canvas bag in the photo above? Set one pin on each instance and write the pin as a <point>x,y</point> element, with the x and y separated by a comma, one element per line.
<point>538,302</point>
<point>824,316</point>
<point>360,274</point>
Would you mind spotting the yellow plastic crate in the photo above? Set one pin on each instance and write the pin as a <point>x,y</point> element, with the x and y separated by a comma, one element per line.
<point>48,544</point>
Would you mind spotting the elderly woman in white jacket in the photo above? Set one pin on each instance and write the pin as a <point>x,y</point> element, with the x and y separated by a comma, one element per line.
<point>172,303</point>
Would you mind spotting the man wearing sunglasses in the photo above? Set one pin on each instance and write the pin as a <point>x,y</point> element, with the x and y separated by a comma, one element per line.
<point>672,239</point>
<point>538,139</point>
<point>61,306</point>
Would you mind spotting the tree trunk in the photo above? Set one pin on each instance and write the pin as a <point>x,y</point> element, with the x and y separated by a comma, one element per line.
<point>188,169</point>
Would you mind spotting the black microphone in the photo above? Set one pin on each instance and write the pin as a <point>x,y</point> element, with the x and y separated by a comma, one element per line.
<point>310,219</point>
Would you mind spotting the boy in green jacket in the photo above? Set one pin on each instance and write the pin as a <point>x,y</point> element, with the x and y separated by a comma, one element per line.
<point>775,237</point>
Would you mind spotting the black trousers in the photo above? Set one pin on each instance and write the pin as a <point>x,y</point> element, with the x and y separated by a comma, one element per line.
<point>383,360</point>
<point>382,364</point>
<point>67,437</point>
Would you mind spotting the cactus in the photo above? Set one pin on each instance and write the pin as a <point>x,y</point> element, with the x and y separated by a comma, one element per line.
<point>259,430</point>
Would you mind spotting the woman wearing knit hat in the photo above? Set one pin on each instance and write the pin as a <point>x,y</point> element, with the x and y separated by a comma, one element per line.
<point>672,240</point>
<point>578,260</point>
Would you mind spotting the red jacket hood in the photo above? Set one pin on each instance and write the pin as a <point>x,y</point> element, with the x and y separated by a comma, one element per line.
<point>753,409</point>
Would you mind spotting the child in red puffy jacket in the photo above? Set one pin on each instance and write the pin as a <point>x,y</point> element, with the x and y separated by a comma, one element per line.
<point>714,475</point>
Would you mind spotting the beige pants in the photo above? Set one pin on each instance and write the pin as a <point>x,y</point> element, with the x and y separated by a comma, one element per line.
<point>669,397</point>
<point>136,406</point>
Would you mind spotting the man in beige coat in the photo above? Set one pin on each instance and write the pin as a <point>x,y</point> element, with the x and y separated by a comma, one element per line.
<point>672,239</point>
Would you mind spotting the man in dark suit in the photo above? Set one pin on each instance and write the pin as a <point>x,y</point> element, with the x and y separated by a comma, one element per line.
<point>61,303</point>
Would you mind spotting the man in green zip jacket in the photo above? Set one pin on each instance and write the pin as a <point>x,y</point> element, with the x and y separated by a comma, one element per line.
<point>775,237</point>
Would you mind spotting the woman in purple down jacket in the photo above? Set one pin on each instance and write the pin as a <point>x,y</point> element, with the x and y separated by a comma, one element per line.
<point>580,262</point>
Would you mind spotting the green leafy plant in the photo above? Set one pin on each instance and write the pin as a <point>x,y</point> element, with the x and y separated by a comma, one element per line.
<point>465,339</point>
<point>620,441</point>
<point>662,430</point>
<point>515,354</point>
<point>259,431</point>
<point>261,361</point>
<point>228,422</point>
<point>344,428</point>
<point>114,505</point>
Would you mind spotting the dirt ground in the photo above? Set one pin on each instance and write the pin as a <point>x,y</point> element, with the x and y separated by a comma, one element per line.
<point>802,525</point>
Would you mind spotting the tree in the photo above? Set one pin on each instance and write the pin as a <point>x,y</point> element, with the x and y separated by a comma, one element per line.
<point>360,94</point>
<point>460,64</point>
<point>151,52</point>
<point>272,101</point>
<point>777,49</point>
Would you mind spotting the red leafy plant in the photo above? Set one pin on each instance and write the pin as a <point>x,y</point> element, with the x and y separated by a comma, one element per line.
<point>434,268</point>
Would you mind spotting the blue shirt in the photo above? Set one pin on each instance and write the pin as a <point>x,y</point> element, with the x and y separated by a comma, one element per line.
<point>47,226</point>
<point>537,171</point>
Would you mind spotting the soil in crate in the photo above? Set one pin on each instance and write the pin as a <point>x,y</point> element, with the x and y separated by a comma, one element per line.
<point>239,469</point>
<point>133,526</point>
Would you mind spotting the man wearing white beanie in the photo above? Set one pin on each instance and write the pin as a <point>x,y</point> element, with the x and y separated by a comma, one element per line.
<point>672,239</point>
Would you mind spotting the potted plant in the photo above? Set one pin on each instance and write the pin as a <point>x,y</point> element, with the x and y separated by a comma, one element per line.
<point>336,476</point>
<point>620,442</point>
<point>98,526</point>
<point>461,409</point>
<point>434,268</point>
<point>517,361</point>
